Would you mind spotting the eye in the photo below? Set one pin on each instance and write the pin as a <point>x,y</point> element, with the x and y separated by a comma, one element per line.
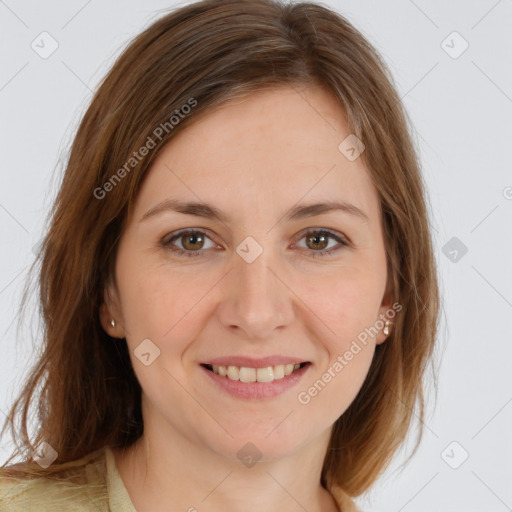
<point>193,241</point>
<point>318,239</point>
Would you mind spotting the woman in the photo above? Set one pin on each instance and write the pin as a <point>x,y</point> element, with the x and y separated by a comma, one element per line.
<point>238,283</point>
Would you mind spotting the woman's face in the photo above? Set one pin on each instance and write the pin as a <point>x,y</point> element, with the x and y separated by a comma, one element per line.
<point>250,282</point>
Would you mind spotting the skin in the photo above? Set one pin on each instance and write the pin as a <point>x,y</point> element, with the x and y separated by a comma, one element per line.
<point>253,158</point>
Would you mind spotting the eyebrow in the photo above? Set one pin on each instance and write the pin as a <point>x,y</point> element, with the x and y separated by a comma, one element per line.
<point>200,209</point>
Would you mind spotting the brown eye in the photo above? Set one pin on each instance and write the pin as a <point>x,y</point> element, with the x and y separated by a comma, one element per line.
<point>192,241</point>
<point>188,243</point>
<point>319,241</point>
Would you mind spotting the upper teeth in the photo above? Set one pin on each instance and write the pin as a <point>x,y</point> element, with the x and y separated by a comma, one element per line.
<point>245,374</point>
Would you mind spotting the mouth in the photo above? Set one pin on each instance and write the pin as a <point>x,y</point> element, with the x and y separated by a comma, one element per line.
<point>252,375</point>
<point>249,383</point>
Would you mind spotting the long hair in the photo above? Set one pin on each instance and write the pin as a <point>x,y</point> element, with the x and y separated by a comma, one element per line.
<point>187,63</point>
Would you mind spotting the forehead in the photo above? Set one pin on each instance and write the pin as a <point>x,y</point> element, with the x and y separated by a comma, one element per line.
<point>268,148</point>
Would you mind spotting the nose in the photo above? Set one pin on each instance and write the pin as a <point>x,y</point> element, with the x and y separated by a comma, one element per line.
<point>256,299</point>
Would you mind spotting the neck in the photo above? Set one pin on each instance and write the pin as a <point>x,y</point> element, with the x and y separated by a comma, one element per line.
<point>192,477</point>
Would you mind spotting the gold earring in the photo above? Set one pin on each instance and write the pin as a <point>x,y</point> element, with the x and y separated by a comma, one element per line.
<point>386,327</point>
<point>112,323</point>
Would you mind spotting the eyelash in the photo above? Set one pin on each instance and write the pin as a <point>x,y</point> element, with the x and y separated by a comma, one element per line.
<point>326,252</point>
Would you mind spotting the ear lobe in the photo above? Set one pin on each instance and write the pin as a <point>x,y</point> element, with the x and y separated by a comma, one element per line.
<point>105,317</point>
<point>109,311</point>
<point>386,305</point>
<point>384,332</point>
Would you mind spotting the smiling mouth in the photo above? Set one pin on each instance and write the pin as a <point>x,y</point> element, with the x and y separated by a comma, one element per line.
<point>247,374</point>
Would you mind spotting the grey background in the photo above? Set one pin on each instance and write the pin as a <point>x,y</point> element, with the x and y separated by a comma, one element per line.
<point>461,108</point>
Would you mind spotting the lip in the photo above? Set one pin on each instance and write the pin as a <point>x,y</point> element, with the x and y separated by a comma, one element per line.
<point>256,390</point>
<point>251,362</point>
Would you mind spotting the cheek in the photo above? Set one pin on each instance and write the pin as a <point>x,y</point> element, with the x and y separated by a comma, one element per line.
<point>158,300</point>
<point>162,305</point>
<point>349,313</point>
<point>345,303</point>
<point>346,307</point>
<point>329,393</point>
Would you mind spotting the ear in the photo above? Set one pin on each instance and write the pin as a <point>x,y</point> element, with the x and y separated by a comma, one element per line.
<point>385,307</point>
<point>110,310</point>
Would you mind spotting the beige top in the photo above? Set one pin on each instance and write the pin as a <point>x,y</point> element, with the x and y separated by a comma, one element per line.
<point>93,484</point>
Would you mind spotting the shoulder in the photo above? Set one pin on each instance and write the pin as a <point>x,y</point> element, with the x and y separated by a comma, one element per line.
<point>81,486</point>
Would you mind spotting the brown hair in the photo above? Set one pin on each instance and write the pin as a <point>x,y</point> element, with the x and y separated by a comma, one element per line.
<point>203,54</point>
